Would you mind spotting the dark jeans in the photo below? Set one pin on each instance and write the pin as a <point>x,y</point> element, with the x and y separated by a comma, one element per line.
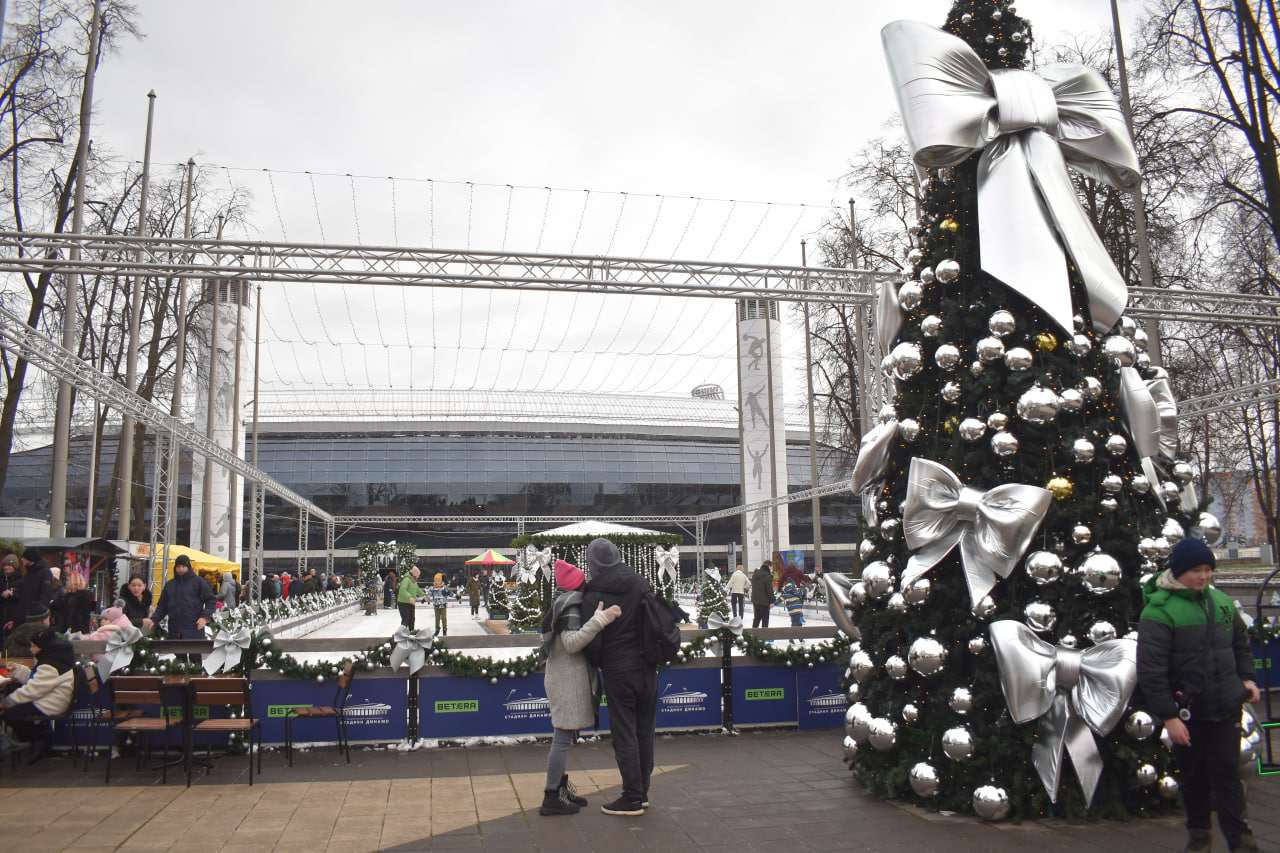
<point>1211,763</point>
<point>760,615</point>
<point>26,720</point>
<point>738,601</point>
<point>407,614</point>
<point>633,714</point>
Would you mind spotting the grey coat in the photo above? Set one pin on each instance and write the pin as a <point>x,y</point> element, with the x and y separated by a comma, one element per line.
<point>570,680</point>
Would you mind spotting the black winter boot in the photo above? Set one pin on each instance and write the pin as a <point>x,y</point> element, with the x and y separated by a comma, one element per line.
<point>570,793</point>
<point>555,802</point>
<point>1200,841</point>
<point>1246,842</point>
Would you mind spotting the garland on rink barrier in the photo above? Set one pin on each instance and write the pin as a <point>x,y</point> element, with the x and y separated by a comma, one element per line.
<point>809,655</point>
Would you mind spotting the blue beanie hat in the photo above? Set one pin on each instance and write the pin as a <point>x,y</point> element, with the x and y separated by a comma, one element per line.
<point>1189,553</point>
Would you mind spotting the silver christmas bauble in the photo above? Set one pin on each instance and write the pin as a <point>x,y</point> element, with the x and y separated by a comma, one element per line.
<point>1079,345</point>
<point>890,529</point>
<point>1112,484</point>
<point>985,607</point>
<point>1072,400</point>
<point>1044,566</point>
<point>924,779</point>
<point>1119,350</point>
<point>909,429</point>
<point>1168,787</point>
<point>991,803</point>
<point>1140,340</point>
<point>1004,444</point>
<point>947,356</point>
<point>907,359</point>
<point>1040,616</point>
<point>883,734</point>
<point>951,391</point>
<point>990,349</point>
<point>926,275</point>
<point>1183,473</point>
<point>888,413</point>
<point>1128,327</point>
<point>957,743</point>
<point>1081,534</point>
<point>966,18</point>
<point>857,721</point>
<point>977,645</point>
<point>910,295</point>
<point>977,368</point>
<point>852,693</point>
<point>1146,775</point>
<point>896,602</point>
<point>886,365</point>
<point>918,592</point>
<point>910,713</point>
<point>947,271</point>
<point>1038,405</point>
<point>861,666</point>
<point>1018,359</point>
<point>1069,641</point>
<point>858,593</point>
<point>914,256</point>
<point>1163,548</point>
<point>1139,725</point>
<point>1207,527</point>
<point>849,748</point>
<point>1083,450</point>
<point>1101,631</point>
<point>997,421</point>
<point>931,326</point>
<point>1001,323</point>
<point>927,656</point>
<point>877,577</point>
<point>1171,492</point>
<point>1116,444</point>
<point>1091,388</point>
<point>1109,504</point>
<point>961,700</point>
<point>1099,572</point>
<point>866,549</point>
<point>972,429</point>
<point>1172,531</point>
<point>896,667</point>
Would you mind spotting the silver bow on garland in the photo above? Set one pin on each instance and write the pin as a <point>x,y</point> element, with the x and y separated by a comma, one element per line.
<point>1070,692</point>
<point>228,647</point>
<point>839,595</point>
<point>715,622</point>
<point>873,456</point>
<point>992,528</point>
<point>410,647</point>
<point>119,653</point>
<point>1030,125</point>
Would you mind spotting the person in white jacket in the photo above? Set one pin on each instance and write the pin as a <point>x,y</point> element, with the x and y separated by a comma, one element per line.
<point>739,583</point>
<point>44,691</point>
<point>570,681</point>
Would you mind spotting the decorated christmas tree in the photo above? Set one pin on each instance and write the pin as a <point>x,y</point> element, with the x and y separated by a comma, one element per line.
<point>711,599</point>
<point>498,606</point>
<point>1022,480</point>
<point>526,604</point>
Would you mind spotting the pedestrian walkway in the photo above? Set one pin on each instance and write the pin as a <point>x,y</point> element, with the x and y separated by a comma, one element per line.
<point>770,790</point>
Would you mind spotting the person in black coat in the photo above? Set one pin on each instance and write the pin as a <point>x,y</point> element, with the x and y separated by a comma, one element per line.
<point>188,601</point>
<point>630,683</point>
<point>36,586</point>
<point>137,600</point>
<point>10,578</point>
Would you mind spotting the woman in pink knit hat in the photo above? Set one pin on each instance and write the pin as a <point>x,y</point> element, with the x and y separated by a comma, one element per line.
<point>570,680</point>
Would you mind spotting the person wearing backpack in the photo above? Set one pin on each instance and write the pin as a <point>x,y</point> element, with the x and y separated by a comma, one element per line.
<point>630,683</point>
<point>570,681</point>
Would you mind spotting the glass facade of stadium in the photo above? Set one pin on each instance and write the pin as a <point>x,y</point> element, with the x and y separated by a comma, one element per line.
<point>473,475</point>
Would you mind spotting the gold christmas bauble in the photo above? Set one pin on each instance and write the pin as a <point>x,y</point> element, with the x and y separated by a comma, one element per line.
<point>1046,342</point>
<point>949,224</point>
<point>1061,488</point>
<point>950,425</point>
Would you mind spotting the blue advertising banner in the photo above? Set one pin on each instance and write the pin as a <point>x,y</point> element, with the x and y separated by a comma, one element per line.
<point>377,710</point>
<point>821,704</point>
<point>472,707</point>
<point>688,698</point>
<point>1269,661</point>
<point>763,694</point>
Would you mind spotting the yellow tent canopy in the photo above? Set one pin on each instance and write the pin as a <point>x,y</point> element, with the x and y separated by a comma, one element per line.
<point>207,566</point>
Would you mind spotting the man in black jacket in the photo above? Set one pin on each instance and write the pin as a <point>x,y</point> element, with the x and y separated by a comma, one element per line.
<point>629,682</point>
<point>36,586</point>
<point>188,601</point>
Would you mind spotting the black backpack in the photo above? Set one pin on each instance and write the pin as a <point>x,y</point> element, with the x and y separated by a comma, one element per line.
<point>659,633</point>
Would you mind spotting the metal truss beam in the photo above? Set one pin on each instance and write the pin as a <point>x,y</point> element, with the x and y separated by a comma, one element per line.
<point>302,263</point>
<point>1232,398</point>
<point>304,525</point>
<point>46,354</point>
<point>357,520</point>
<point>1203,306</point>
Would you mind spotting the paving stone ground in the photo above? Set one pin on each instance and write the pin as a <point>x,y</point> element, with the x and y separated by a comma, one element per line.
<point>764,790</point>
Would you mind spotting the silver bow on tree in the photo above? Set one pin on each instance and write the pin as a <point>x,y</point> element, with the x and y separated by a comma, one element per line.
<point>873,455</point>
<point>992,528</point>
<point>1030,125</point>
<point>228,647</point>
<point>839,595</point>
<point>1070,692</point>
<point>119,653</point>
<point>411,648</point>
<point>889,315</point>
<point>1151,412</point>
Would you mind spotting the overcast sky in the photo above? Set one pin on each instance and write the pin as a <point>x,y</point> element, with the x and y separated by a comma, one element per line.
<point>663,100</point>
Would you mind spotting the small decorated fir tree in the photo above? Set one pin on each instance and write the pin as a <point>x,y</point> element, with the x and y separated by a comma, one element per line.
<point>712,599</point>
<point>498,606</point>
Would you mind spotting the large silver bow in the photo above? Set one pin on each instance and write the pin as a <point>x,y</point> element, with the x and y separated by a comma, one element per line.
<point>715,622</point>
<point>1030,125</point>
<point>839,594</point>
<point>410,647</point>
<point>119,653</point>
<point>228,647</point>
<point>1070,692</point>
<point>873,456</point>
<point>889,315</point>
<point>992,528</point>
<point>1151,412</point>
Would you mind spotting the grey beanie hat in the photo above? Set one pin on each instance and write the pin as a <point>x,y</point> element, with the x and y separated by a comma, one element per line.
<point>603,554</point>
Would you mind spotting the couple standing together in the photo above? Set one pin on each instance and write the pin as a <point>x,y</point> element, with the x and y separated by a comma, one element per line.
<point>610,640</point>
